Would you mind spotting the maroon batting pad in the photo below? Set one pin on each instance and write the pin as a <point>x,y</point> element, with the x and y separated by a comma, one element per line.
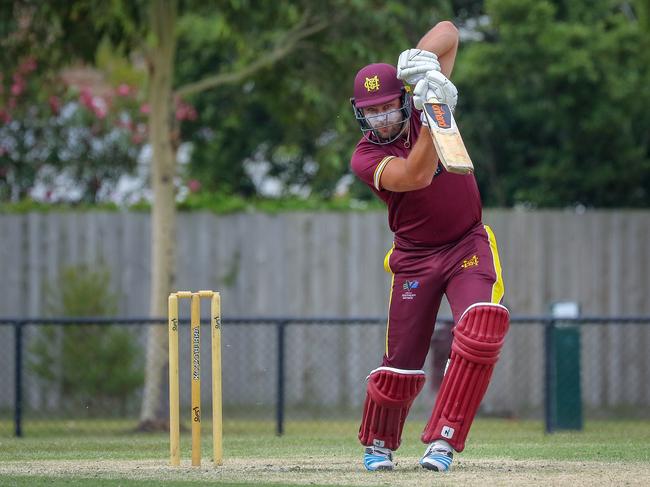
<point>388,400</point>
<point>478,338</point>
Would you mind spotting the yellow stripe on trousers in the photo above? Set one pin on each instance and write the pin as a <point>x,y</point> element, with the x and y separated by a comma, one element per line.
<point>392,283</point>
<point>498,288</point>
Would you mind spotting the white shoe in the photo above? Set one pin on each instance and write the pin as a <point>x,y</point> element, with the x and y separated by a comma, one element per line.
<point>438,456</point>
<point>376,458</point>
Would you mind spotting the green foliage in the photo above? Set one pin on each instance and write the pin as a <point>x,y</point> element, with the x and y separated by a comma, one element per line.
<point>552,98</point>
<point>51,129</point>
<point>294,116</point>
<point>61,33</point>
<point>91,149</point>
<point>218,203</point>
<point>50,125</point>
<point>28,205</point>
<point>94,365</point>
<point>118,68</point>
<point>223,204</point>
<point>553,107</point>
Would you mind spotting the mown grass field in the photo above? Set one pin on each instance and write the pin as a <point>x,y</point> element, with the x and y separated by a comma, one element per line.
<point>499,452</point>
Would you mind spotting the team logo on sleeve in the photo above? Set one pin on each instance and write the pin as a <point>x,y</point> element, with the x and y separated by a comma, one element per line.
<point>372,84</point>
<point>408,288</point>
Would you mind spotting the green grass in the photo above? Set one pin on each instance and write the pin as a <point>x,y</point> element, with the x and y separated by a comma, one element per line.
<point>524,440</point>
<point>489,438</point>
<point>29,481</point>
<point>601,441</point>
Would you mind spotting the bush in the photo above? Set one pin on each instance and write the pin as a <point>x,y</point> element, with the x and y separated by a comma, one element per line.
<point>95,367</point>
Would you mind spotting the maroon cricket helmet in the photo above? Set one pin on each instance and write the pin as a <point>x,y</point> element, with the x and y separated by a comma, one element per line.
<point>376,83</point>
<point>373,85</point>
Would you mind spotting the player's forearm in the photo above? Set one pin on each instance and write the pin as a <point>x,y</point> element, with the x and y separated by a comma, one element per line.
<point>413,173</point>
<point>422,162</point>
<point>442,40</point>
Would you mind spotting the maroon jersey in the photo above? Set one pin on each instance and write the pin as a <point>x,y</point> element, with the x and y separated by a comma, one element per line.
<point>436,215</point>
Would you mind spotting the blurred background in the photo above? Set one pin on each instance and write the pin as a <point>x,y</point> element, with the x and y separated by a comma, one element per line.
<point>220,133</point>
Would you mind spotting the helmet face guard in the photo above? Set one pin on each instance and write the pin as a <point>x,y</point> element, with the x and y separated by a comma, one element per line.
<point>369,129</point>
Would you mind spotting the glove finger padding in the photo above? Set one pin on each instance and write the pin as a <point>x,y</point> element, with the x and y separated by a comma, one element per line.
<point>411,56</point>
<point>416,72</point>
<point>435,86</point>
<point>413,64</point>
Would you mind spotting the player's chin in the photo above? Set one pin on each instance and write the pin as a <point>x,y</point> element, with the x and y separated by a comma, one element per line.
<point>388,132</point>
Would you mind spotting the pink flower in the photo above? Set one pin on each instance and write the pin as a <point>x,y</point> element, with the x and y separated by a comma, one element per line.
<point>145,108</point>
<point>185,111</point>
<point>124,89</point>
<point>99,107</point>
<point>55,104</point>
<point>193,185</point>
<point>125,124</point>
<point>28,65</point>
<point>86,98</point>
<point>5,116</point>
<point>18,85</point>
<point>100,111</point>
<point>137,138</point>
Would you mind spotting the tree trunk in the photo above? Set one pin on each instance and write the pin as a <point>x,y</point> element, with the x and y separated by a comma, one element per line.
<point>163,172</point>
<point>163,215</point>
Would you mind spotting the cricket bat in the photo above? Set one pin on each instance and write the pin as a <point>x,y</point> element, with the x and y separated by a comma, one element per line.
<point>446,138</point>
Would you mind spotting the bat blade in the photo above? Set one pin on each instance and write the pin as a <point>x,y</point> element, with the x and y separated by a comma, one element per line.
<point>446,138</point>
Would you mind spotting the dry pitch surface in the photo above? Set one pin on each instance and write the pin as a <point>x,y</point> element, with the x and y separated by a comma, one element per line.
<point>343,472</point>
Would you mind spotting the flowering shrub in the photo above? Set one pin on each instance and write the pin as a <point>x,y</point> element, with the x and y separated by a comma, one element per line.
<point>72,138</point>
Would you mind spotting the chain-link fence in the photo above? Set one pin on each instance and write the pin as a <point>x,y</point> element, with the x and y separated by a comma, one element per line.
<point>78,376</point>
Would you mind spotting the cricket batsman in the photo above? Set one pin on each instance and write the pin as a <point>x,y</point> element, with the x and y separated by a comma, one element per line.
<point>440,247</point>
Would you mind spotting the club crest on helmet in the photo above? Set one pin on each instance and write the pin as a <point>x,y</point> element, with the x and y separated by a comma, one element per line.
<point>372,84</point>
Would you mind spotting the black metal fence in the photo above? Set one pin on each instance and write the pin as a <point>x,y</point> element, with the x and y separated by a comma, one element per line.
<point>280,369</point>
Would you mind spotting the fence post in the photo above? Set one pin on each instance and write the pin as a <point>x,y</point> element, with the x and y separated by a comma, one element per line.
<point>18,378</point>
<point>563,389</point>
<point>280,380</point>
<point>549,370</point>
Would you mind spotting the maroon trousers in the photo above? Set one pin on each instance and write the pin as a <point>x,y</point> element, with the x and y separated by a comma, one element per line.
<point>467,272</point>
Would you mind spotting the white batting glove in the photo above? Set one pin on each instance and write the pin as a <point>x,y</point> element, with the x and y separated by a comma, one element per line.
<point>435,86</point>
<point>413,64</point>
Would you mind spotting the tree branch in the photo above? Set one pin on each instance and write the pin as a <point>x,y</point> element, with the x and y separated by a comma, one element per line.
<point>281,49</point>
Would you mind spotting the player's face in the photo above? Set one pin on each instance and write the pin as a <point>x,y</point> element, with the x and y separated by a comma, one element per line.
<point>385,118</point>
